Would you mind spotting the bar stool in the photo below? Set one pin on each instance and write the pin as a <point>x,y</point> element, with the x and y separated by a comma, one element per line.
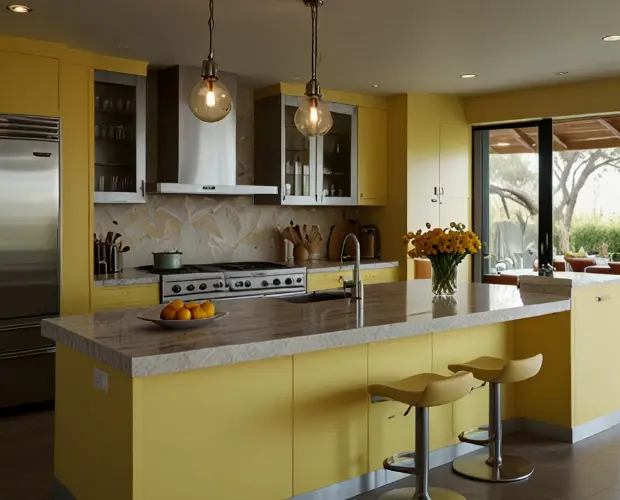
<point>495,468</point>
<point>421,391</point>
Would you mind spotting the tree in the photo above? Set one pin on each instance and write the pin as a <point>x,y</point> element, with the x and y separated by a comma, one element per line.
<point>511,179</point>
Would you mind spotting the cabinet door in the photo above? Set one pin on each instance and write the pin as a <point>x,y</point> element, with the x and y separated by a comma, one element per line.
<point>120,137</point>
<point>299,174</point>
<point>337,158</point>
<point>372,156</point>
<point>454,160</point>
<point>28,85</point>
<point>330,417</point>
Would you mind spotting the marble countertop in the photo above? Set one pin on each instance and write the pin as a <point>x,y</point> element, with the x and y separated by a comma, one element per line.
<point>329,266</point>
<point>577,280</point>
<point>126,277</point>
<point>266,328</point>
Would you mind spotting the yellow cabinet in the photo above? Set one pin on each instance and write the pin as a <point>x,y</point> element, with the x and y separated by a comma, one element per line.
<point>389,431</point>
<point>328,281</point>
<point>29,84</point>
<point>330,417</point>
<point>596,351</point>
<point>221,433</point>
<point>121,297</point>
<point>372,156</point>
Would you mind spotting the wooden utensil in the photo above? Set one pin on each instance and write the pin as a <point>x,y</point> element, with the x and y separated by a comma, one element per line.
<point>339,232</point>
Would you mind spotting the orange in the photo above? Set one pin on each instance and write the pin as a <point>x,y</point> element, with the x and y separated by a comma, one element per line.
<point>183,314</point>
<point>168,313</point>
<point>176,305</point>
<point>192,305</point>
<point>208,308</point>
<point>198,313</point>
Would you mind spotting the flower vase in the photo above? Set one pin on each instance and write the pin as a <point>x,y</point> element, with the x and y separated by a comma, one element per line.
<point>444,274</point>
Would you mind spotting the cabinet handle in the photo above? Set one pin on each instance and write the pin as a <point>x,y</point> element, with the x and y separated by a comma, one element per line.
<point>361,195</point>
<point>602,298</point>
<point>435,190</point>
<point>441,191</point>
<point>316,196</point>
<point>434,200</point>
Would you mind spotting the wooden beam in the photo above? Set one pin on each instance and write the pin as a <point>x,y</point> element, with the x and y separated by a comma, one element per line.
<point>563,145</point>
<point>524,139</point>
<point>609,126</point>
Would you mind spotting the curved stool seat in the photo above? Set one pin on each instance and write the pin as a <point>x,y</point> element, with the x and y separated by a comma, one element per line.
<point>493,466</point>
<point>422,392</point>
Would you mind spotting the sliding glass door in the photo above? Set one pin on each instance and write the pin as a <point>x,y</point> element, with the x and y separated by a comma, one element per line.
<point>513,196</point>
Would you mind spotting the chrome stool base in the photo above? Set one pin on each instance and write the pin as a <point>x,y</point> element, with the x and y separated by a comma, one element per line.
<point>475,467</point>
<point>433,494</point>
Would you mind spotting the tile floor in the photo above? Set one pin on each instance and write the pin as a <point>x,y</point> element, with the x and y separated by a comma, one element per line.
<point>588,470</point>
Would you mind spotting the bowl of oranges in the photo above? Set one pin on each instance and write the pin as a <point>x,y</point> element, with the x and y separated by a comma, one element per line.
<point>179,315</point>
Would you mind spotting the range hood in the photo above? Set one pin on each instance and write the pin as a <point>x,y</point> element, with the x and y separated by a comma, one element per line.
<point>195,157</point>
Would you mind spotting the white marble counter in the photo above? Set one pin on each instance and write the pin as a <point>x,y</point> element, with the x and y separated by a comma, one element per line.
<point>266,328</point>
<point>126,277</point>
<point>576,280</point>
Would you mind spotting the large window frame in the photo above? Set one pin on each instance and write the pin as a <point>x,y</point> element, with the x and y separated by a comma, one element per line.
<point>481,195</point>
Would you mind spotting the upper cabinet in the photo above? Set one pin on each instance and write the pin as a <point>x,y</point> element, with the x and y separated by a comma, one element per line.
<point>119,137</point>
<point>323,170</point>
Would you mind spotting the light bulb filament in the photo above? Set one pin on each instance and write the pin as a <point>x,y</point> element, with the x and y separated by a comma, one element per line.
<point>314,113</point>
<point>210,99</point>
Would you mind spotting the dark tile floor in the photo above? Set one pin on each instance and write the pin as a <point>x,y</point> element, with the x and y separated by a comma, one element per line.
<point>588,470</point>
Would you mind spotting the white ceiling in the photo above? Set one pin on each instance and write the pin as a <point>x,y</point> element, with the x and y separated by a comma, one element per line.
<point>401,45</point>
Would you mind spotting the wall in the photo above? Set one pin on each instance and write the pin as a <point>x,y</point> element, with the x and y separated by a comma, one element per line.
<point>554,101</point>
<point>211,229</point>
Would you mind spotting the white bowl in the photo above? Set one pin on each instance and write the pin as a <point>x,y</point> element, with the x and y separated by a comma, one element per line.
<point>153,315</point>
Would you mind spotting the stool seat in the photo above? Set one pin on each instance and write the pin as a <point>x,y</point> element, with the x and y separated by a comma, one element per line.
<point>500,371</point>
<point>426,389</point>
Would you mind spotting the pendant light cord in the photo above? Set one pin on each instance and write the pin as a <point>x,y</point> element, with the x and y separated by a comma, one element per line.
<point>315,15</point>
<point>211,28</point>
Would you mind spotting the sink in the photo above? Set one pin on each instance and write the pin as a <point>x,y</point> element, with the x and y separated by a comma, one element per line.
<point>308,298</point>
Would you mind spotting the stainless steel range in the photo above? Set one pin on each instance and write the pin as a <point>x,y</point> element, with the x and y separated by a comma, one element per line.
<point>231,281</point>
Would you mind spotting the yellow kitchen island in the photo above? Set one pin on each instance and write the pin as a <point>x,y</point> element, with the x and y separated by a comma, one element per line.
<point>271,402</point>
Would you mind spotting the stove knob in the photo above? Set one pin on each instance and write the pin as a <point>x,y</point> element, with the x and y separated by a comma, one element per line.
<point>239,284</point>
<point>265,283</point>
<point>176,289</point>
<point>276,282</point>
<point>190,288</point>
<point>289,281</point>
<point>248,284</point>
<point>299,280</point>
<point>203,286</point>
<point>216,285</point>
<point>221,284</point>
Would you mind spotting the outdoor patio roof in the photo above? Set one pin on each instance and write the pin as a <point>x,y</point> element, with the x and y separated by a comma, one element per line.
<point>587,133</point>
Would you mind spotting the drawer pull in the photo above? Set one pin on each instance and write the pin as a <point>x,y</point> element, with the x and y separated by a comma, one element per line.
<point>602,298</point>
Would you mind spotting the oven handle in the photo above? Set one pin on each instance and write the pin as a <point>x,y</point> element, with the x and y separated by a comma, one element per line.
<point>37,351</point>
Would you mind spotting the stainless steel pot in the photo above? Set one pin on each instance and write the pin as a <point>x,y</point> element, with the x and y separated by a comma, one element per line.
<point>167,261</point>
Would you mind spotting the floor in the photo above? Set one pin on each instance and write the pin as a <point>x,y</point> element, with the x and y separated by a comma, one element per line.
<point>588,470</point>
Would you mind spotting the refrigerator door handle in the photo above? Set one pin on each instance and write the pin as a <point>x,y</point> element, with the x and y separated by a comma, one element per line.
<point>38,351</point>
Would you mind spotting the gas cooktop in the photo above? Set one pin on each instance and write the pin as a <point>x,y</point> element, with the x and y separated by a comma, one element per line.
<point>218,268</point>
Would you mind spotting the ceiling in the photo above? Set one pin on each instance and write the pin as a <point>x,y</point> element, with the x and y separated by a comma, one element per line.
<point>400,45</point>
<point>586,133</point>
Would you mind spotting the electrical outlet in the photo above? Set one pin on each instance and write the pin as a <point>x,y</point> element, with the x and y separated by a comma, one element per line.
<point>100,380</point>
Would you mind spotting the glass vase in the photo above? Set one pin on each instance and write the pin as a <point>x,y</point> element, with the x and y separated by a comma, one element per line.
<point>443,279</point>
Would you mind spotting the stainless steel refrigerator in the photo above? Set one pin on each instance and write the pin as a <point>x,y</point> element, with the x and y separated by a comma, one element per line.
<point>29,255</point>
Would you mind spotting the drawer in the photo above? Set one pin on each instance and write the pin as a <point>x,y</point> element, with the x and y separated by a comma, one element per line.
<point>327,281</point>
<point>123,297</point>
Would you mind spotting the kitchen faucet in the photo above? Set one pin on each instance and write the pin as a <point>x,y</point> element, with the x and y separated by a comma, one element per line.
<point>355,286</point>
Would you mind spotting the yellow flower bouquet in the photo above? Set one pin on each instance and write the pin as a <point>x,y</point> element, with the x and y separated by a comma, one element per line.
<point>446,249</point>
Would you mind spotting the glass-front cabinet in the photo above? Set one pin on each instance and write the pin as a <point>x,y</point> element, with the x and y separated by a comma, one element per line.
<point>120,137</point>
<point>307,170</point>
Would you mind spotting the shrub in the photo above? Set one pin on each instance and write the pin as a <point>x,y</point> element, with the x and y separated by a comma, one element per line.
<point>592,235</point>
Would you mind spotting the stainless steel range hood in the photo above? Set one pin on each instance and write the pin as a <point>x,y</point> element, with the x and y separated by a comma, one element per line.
<point>195,157</point>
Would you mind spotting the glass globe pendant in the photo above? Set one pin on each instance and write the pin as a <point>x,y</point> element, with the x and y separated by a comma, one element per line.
<point>210,100</point>
<point>313,117</point>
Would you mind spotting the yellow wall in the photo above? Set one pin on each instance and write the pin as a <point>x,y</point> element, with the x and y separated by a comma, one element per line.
<point>554,101</point>
<point>66,79</point>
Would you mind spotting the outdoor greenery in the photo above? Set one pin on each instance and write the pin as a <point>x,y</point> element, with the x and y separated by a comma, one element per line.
<point>591,234</point>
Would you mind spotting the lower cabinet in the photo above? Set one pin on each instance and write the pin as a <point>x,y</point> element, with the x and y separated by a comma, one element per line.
<point>104,298</point>
<point>328,281</point>
<point>330,417</point>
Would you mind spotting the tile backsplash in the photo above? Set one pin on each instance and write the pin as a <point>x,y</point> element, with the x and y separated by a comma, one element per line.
<point>211,229</point>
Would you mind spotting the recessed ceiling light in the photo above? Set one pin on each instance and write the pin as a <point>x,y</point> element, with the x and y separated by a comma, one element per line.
<point>19,9</point>
<point>503,144</point>
<point>469,75</point>
<point>375,86</point>
<point>122,46</point>
<point>611,38</point>
<point>561,73</point>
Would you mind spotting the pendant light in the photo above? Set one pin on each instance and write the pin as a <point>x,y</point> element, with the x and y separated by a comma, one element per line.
<point>210,100</point>
<point>313,117</point>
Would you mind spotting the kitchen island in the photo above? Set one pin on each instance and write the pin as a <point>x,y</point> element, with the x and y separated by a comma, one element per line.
<point>272,398</point>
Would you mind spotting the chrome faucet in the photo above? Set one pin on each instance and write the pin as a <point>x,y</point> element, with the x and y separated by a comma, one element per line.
<point>355,286</point>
